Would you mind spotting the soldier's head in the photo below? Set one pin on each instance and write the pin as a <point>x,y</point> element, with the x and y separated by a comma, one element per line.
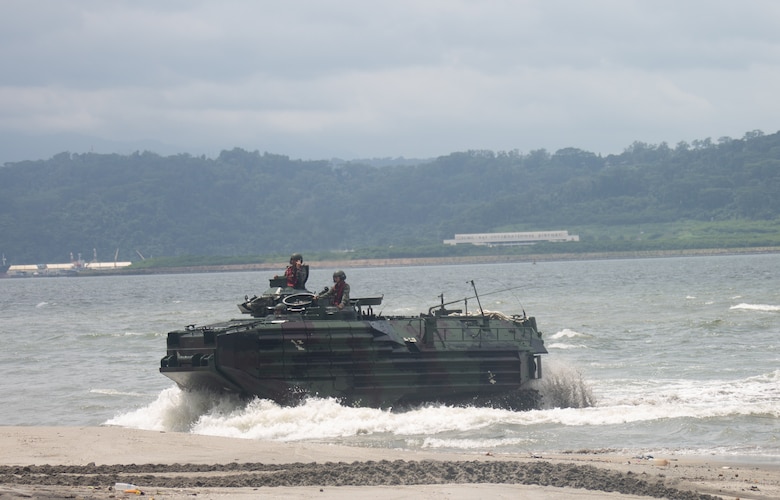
<point>296,257</point>
<point>340,275</point>
<point>280,310</point>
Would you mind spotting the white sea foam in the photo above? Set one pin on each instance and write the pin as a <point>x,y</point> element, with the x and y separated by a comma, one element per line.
<point>661,398</point>
<point>441,426</point>
<point>176,410</point>
<point>114,392</point>
<point>562,345</point>
<point>757,307</point>
<point>210,414</point>
<point>475,444</point>
<point>566,333</point>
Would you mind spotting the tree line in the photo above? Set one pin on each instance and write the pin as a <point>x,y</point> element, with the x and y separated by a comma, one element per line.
<point>251,203</point>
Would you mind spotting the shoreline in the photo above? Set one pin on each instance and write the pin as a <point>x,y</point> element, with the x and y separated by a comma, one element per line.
<point>86,462</point>
<point>416,261</point>
<point>431,261</point>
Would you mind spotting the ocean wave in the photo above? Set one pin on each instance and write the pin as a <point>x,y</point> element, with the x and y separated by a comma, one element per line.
<point>471,444</point>
<point>317,418</point>
<point>755,395</point>
<point>450,427</point>
<point>757,307</point>
<point>561,345</point>
<point>566,333</point>
<point>114,392</point>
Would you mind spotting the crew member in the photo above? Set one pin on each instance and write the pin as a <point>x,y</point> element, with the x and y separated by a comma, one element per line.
<point>297,272</point>
<point>339,294</point>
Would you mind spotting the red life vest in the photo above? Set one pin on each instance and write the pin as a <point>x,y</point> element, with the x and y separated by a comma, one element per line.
<point>292,276</point>
<point>338,293</point>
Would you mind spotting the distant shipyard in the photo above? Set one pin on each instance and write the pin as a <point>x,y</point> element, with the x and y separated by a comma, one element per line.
<point>74,267</point>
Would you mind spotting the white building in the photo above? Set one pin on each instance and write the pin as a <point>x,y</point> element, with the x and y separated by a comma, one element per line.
<point>526,238</point>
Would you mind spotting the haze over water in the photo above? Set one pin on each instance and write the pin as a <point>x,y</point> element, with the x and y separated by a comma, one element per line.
<point>680,355</point>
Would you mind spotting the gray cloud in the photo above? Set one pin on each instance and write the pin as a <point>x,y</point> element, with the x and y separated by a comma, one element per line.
<point>315,79</point>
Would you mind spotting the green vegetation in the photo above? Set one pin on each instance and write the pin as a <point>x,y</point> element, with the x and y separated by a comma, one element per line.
<point>247,207</point>
<point>684,235</point>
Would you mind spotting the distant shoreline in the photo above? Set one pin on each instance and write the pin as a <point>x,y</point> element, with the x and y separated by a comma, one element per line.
<point>425,261</point>
<point>434,261</point>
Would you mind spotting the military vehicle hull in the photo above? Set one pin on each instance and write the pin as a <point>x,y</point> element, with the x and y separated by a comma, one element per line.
<point>362,359</point>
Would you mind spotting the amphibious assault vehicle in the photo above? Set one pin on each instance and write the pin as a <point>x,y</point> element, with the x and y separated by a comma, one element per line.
<point>292,347</point>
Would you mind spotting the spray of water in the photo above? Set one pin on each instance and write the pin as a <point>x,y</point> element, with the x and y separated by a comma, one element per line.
<point>563,386</point>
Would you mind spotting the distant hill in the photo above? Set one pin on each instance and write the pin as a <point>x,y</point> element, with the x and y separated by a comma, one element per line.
<point>252,203</point>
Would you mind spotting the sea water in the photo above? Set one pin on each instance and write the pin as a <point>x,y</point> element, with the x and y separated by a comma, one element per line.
<point>646,356</point>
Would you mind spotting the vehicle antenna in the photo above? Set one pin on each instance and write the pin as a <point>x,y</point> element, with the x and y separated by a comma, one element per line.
<point>466,299</point>
<point>477,296</point>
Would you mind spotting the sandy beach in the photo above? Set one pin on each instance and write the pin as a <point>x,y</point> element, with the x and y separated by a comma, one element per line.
<point>87,462</point>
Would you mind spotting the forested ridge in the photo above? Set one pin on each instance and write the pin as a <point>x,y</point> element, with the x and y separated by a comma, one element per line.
<point>252,203</point>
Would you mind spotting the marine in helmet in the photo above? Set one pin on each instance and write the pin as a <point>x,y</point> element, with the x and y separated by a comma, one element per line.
<point>339,294</point>
<point>297,272</point>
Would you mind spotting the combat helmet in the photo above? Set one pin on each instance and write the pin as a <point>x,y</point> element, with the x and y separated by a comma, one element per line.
<point>340,274</point>
<point>296,256</point>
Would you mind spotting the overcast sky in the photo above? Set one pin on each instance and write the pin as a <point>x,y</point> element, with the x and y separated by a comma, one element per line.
<point>359,78</point>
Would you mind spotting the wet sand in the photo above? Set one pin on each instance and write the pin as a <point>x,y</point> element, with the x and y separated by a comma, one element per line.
<point>86,462</point>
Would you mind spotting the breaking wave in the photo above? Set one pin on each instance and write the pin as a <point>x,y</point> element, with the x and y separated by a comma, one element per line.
<point>757,307</point>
